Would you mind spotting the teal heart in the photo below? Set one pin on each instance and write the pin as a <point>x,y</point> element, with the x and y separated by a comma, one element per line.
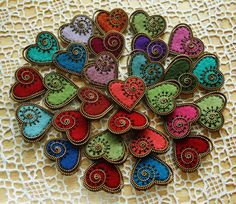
<point>44,49</point>
<point>207,71</point>
<point>141,66</point>
<point>34,120</point>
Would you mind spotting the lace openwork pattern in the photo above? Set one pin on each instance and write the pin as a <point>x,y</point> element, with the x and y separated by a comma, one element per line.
<point>25,173</point>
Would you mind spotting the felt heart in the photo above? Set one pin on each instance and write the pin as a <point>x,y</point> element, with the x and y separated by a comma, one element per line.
<point>141,66</point>
<point>61,90</point>
<point>152,26</point>
<point>188,151</point>
<point>41,53</point>
<point>180,70</point>
<point>108,146</point>
<point>156,49</point>
<point>74,124</point>
<point>206,69</point>
<point>103,70</point>
<point>34,121</point>
<point>79,30</point>
<point>161,97</point>
<point>182,42</point>
<point>127,93</point>
<point>112,42</point>
<point>103,176</point>
<point>116,20</point>
<point>29,84</point>
<point>66,155</point>
<point>211,107</point>
<point>150,170</point>
<point>122,121</point>
<point>72,60</point>
<point>94,104</point>
<point>147,141</point>
<point>178,123</point>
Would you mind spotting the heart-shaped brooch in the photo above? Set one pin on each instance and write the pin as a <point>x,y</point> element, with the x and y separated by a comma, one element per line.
<point>189,151</point>
<point>28,85</point>
<point>60,90</point>
<point>102,70</point>
<point>182,42</point>
<point>180,69</point>
<point>112,42</point>
<point>161,97</point>
<point>94,104</point>
<point>115,20</point>
<point>103,176</point>
<point>121,121</point>
<point>127,93</point>
<point>156,49</point>
<point>72,60</point>
<point>206,69</point>
<point>66,155</point>
<point>152,26</point>
<point>74,124</point>
<point>178,123</point>
<point>150,170</point>
<point>211,106</point>
<point>34,121</point>
<point>148,140</point>
<point>107,146</point>
<point>41,53</point>
<point>79,30</point>
<point>140,65</point>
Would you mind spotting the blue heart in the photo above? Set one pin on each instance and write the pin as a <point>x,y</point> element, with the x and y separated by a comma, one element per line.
<point>207,71</point>
<point>35,121</point>
<point>65,153</point>
<point>73,59</point>
<point>140,65</point>
<point>150,170</point>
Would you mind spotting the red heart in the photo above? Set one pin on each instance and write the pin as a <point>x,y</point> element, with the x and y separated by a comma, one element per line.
<point>116,20</point>
<point>76,126</point>
<point>94,104</point>
<point>113,42</point>
<point>122,121</point>
<point>188,151</point>
<point>127,93</point>
<point>178,123</point>
<point>148,140</point>
<point>29,84</point>
<point>103,175</point>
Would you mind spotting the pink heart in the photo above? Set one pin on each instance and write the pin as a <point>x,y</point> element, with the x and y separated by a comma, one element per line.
<point>182,42</point>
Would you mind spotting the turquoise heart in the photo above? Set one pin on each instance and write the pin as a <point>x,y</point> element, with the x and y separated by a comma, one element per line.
<point>71,60</point>
<point>42,52</point>
<point>150,170</point>
<point>141,66</point>
<point>34,120</point>
<point>207,71</point>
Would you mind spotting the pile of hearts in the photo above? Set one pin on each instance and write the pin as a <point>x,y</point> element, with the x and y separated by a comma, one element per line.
<point>91,49</point>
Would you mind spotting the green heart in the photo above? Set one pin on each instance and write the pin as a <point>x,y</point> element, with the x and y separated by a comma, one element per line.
<point>161,97</point>
<point>60,90</point>
<point>211,106</point>
<point>152,26</point>
<point>107,146</point>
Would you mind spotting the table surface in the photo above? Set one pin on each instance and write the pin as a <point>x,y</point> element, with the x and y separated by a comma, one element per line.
<point>26,175</point>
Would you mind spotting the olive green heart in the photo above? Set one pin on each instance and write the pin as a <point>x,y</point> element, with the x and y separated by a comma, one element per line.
<point>108,146</point>
<point>211,106</point>
<point>161,97</point>
<point>152,26</point>
<point>60,90</point>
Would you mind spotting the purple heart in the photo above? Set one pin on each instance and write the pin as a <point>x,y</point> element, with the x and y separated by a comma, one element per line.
<point>156,49</point>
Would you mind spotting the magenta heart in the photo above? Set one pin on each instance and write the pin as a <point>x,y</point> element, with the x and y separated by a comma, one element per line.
<point>182,42</point>
<point>103,70</point>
